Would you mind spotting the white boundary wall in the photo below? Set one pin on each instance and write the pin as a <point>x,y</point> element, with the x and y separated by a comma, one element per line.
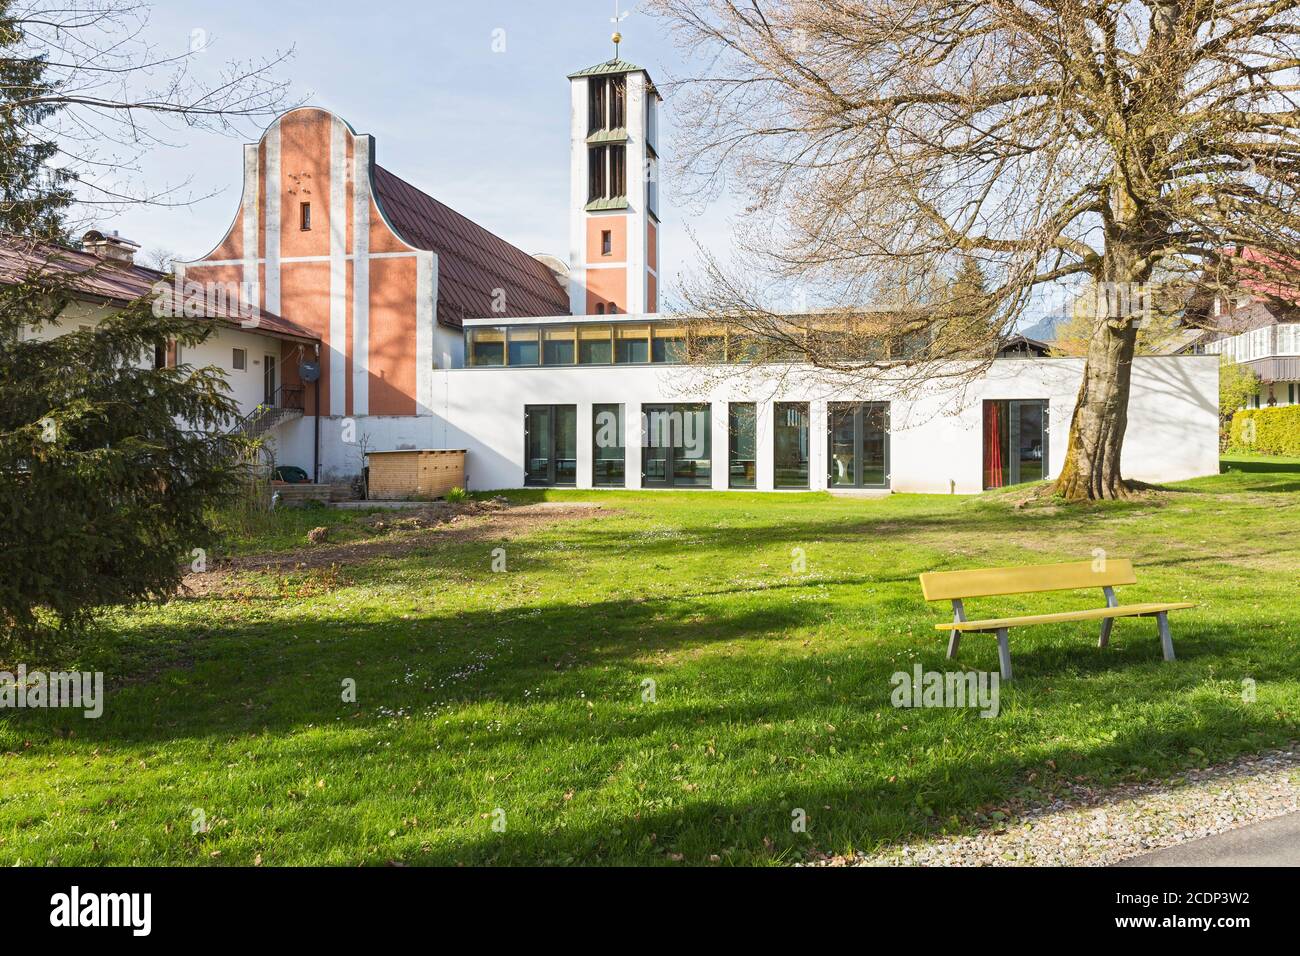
<point>935,443</point>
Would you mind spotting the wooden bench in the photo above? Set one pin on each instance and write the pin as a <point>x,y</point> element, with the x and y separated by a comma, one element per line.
<point>957,586</point>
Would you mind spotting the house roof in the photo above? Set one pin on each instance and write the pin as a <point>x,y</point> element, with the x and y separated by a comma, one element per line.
<point>1024,343</point>
<point>607,68</point>
<point>472,262</point>
<point>107,282</point>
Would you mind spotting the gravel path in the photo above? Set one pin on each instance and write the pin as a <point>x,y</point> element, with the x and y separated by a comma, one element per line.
<point>1098,828</point>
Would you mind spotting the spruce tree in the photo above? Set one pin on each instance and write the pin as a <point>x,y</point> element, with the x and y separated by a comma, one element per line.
<point>108,465</point>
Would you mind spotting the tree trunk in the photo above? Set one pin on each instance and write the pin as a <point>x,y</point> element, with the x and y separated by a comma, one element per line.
<point>1091,469</point>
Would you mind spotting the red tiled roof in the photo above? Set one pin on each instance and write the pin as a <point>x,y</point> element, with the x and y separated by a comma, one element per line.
<point>107,282</point>
<point>472,262</point>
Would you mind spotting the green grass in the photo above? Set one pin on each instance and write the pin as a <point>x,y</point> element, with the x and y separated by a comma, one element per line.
<point>523,690</point>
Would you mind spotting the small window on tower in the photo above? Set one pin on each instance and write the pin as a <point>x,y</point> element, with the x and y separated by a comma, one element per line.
<point>606,242</point>
<point>304,216</point>
<point>600,308</point>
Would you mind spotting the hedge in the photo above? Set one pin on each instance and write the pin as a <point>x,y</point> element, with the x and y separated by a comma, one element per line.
<point>1267,431</point>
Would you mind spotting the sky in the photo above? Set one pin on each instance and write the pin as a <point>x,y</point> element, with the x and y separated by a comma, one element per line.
<point>466,99</point>
<point>485,132</point>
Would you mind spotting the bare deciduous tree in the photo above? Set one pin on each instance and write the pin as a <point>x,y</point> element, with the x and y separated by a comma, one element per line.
<point>1113,141</point>
<point>89,93</point>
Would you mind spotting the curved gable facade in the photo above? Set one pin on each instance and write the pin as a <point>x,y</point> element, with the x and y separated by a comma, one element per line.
<point>383,273</point>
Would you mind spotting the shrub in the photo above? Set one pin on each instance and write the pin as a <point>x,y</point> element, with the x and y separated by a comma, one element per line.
<point>457,494</point>
<point>1267,431</point>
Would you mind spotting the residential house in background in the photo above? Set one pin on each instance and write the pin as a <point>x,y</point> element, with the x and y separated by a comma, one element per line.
<point>102,278</point>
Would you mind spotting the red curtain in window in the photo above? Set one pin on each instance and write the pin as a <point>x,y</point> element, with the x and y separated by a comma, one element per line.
<point>994,475</point>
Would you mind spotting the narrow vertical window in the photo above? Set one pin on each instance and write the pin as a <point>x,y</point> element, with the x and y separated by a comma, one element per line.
<point>596,100</point>
<point>238,359</point>
<point>606,242</point>
<point>617,102</point>
<point>304,216</point>
<point>596,176</point>
<point>617,171</point>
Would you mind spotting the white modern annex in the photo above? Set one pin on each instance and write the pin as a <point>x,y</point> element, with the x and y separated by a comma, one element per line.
<point>531,401</point>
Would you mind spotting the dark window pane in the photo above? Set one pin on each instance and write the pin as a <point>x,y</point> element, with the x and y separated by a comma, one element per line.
<point>595,351</point>
<point>617,171</point>
<point>843,471</point>
<point>742,440</point>
<point>559,352</point>
<point>608,453</point>
<point>566,444</point>
<point>618,101</point>
<point>632,351</point>
<point>875,438</point>
<point>692,450</point>
<point>523,347</point>
<point>540,441</point>
<point>790,433</point>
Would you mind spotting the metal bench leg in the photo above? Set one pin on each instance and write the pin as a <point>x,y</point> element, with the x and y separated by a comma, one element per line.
<point>1166,640</point>
<point>1004,654</point>
<point>1106,624</point>
<point>954,636</point>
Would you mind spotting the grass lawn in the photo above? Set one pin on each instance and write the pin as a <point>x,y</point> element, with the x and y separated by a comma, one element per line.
<point>523,691</point>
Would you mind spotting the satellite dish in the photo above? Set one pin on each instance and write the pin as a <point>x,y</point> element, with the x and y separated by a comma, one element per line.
<point>309,371</point>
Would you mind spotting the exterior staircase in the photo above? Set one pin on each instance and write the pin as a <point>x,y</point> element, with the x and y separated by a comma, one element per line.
<point>285,405</point>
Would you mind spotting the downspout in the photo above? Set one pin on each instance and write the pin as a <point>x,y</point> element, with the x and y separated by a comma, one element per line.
<point>315,468</point>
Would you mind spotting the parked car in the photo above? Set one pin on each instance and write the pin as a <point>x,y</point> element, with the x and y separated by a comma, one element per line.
<point>290,474</point>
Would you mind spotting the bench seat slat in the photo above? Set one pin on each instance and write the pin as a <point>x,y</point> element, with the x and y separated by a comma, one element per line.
<point>1091,614</point>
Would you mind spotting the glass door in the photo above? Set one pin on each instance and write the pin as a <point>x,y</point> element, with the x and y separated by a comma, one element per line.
<point>742,445</point>
<point>842,461</point>
<point>566,444</point>
<point>550,444</point>
<point>677,447</point>
<point>1015,442</point>
<point>539,437</point>
<point>790,443</point>
<point>874,442</point>
<point>268,380</point>
<point>858,445</point>
<point>692,451</point>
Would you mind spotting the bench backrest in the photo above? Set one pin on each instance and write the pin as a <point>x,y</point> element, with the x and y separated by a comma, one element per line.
<point>985,582</point>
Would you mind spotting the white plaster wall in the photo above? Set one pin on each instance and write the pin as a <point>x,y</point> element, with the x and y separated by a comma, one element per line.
<point>936,435</point>
<point>343,437</point>
<point>246,385</point>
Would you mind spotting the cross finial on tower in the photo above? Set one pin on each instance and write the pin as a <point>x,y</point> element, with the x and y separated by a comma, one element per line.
<point>616,19</point>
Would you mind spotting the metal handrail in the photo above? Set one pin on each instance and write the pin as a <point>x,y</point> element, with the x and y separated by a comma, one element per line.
<point>284,396</point>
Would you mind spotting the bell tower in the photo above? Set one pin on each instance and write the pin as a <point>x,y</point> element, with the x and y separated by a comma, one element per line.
<point>614,189</point>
